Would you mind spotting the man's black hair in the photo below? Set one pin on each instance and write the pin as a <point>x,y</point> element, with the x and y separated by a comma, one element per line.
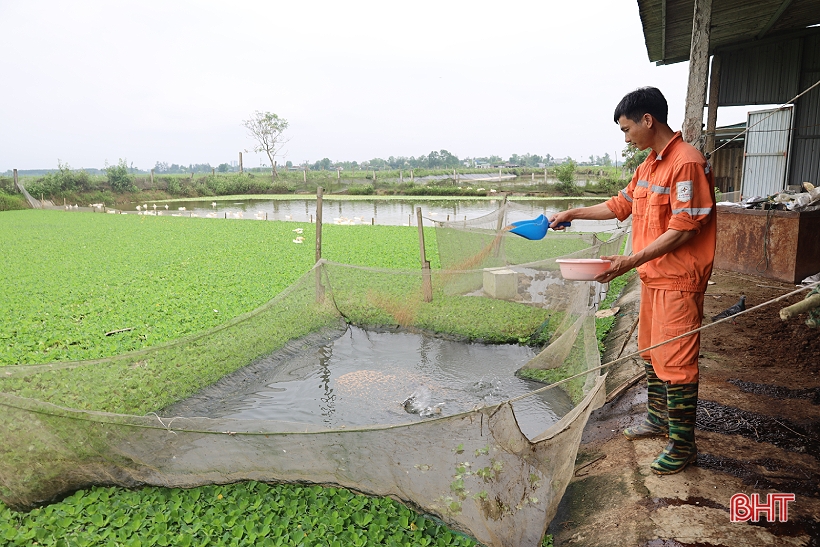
<point>644,100</point>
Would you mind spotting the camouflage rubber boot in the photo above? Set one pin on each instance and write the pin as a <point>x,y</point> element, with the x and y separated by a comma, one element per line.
<point>681,450</point>
<point>654,425</point>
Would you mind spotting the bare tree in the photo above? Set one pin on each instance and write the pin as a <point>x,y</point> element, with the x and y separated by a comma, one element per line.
<point>267,129</point>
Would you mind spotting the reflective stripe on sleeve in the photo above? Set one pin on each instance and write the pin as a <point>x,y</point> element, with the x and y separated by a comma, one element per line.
<point>627,197</point>
<point>660,189</point>
<point>643,183</point>
<point>693,211</point>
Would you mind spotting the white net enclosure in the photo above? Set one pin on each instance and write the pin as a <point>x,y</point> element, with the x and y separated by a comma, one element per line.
<point>464,460</point>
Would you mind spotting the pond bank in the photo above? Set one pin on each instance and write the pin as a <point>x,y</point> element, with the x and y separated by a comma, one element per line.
<point>756,373</point>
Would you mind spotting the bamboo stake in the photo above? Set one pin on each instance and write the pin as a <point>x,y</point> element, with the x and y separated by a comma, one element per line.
<point>320,290</point>
<point>427,282</point>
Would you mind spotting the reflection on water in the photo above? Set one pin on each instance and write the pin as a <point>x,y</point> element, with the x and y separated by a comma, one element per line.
<point>393,212</point>
<point>363,377</point>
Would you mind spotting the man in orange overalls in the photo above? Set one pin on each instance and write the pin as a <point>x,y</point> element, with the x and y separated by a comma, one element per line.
<point>672,202</point>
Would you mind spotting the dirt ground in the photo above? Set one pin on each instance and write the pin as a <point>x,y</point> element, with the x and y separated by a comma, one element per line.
<point>758,431</point>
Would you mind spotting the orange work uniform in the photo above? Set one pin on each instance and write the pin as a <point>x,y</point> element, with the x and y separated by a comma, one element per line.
<point>673,190</point>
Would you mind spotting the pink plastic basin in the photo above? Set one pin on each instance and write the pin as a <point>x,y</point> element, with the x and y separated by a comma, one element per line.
<point>582,269</point>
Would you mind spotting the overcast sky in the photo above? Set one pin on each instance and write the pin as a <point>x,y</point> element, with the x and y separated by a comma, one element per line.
<point>91,81</point>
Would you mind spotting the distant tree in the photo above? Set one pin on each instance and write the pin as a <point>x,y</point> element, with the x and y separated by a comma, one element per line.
<point>322,165</point>
<point>223,168</point>
<point>448,160</point>
<point>606,161</point>
<point>119,178</point>
<point>289,164</point>
<point>565,173</point>
<point>267,129</point>
<point>633,157</point>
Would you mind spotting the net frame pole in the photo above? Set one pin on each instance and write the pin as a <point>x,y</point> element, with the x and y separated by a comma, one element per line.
<point>427,281</point>
<point>320,290</point>
<point>499,227</point>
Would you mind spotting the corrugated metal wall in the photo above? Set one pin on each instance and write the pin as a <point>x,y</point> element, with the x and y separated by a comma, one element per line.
<point>774,73</point>
<point>805,165</point>
<point>760,75</point>
<point>766,154</point>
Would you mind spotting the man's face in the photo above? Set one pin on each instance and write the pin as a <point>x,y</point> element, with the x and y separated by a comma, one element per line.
<point>637,133</point>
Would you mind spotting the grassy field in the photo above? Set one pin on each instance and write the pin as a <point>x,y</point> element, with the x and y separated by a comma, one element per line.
<point>71,278</point>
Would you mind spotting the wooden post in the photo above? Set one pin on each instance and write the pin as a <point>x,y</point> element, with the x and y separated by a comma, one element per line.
<point>16,181</point>
<point>426,279</point>
<point>319,194</point>
<point>320,290</point>
<point>213,172</point>
<point>412,178</point>
<point>401,175</point>
<point>240,163</point>
<point>498,228</point>
<point>152,177</point>
<point>711,113</point>
<point>304,174</point>
<point>698,73</point>
<point>533,176</point>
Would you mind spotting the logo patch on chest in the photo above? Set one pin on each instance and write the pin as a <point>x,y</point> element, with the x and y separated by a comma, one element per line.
<point>684,190</point>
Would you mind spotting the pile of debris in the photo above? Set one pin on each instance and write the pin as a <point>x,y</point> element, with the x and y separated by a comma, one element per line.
<point>788,200</point>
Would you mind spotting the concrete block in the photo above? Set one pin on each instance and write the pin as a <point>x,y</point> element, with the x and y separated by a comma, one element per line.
<point>500,283</point>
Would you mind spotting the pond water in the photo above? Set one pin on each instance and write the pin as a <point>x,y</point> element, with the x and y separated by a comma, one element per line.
<point>363,377</point>
<point>391,212</point>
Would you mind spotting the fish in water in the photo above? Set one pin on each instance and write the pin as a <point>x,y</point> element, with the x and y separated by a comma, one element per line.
<point>419,403</point>
<point>728,312</point>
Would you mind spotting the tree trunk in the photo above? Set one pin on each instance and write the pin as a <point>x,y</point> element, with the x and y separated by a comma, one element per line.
<point>272,167</point>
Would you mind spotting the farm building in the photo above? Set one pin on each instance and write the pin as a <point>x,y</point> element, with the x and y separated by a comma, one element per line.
<point>762,52</point>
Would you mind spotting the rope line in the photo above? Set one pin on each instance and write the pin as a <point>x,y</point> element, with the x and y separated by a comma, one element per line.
<point>97,417</point>
<point>684,335</point>
<point>781,107</point>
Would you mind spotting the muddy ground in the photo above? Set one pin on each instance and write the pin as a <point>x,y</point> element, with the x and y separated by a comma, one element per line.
<point>758,431</point>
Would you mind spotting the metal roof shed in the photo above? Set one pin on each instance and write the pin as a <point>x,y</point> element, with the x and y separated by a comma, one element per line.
<point>763,52</point>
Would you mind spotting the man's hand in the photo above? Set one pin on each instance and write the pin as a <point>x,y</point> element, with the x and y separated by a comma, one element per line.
<point>558,218</point>
<point>594,212</point>
<point>620,264</point>
<point>668,241</point>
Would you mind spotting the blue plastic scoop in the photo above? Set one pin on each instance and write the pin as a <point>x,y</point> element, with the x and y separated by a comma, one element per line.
<point>533,229</point>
